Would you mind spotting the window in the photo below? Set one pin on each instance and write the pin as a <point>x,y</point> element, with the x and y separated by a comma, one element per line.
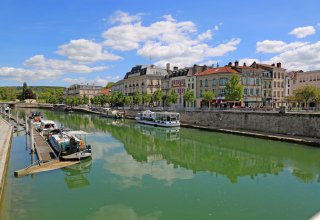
<point>192,87</point>
<point>222,92</point>
<point>281,84</point>
<point>278,93</point>
<point>223,81</point>
<point>251,91</point>
<point>214,91</point>
<point>282,94</point>
<point>274,75</point>
<point>206,83</point>
<point>275,84</point>
<point>257,92</point>
<point>200,93</point>
<point>245,91</point>
<point>214,82</point>
<point>288,92</point>
<point>278,84</point>
<point>200,83</point>
<point>278,75</point>
<point>282,75</point>
<point>274,94</point>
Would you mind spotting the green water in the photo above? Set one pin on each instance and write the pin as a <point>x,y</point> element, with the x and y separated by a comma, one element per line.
<point>141,172</point>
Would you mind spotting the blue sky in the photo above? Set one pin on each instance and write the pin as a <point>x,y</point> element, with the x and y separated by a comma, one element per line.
<point>59,42</point>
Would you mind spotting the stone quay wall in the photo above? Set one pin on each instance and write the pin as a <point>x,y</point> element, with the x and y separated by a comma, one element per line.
<point>299,124</point>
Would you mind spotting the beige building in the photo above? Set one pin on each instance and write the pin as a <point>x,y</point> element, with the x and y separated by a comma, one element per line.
<point>77,90</point>
<point>143,79</point>
<point>277,82</point>
<point>257,85</point>
<point>214,79</point>
<point>297,79</point>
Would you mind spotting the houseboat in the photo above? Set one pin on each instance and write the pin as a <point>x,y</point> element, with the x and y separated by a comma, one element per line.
<point>70,145</point>
<point>163,119</point>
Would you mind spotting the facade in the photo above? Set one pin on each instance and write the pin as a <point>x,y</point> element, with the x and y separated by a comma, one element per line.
<point>214,79</point>
<point>277,83</point>
<point>257,85</point>
<point>182,79</point>
<point>117,87</point>
<point>143,79</point>
<point>298,79</point>
<point>77,90</point>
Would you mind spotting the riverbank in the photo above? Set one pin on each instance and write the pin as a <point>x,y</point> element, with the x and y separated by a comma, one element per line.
<point>6,131</point>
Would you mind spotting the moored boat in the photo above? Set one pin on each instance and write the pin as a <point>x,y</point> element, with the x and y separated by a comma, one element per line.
<point>47,126</point>
<point>163,119</point>
<point>70,145</point>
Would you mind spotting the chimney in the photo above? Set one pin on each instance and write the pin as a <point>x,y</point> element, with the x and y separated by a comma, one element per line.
<point>230,64</point>
<point>175,68</point>
<point>217,65</point>
<point>254,65</point>
<point>273,64</point>
<point>279,65</point>
<point>204,68</point>
<point>236,63</point>
<point>244,64</point>
<point>168,67</point>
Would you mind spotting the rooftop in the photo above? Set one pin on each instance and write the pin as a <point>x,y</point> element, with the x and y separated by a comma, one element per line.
<point>225,69</point>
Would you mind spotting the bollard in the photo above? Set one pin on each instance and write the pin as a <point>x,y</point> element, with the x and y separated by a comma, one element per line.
<point>31,138</point>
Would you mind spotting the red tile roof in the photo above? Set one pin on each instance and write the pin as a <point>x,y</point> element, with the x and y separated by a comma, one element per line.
<point>105,91</point>
<point>225,69</point>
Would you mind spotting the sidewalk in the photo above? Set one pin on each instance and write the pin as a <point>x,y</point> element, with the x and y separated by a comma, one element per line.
<point>5,144</point>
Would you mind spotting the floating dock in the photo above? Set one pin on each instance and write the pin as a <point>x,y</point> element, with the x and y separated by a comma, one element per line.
<point>48,160</point>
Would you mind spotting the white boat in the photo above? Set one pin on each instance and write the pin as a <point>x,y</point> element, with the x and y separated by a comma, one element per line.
<point>35,118</point>
<point>47,126</point>
<point>70,145</point>
<point>163,119</point>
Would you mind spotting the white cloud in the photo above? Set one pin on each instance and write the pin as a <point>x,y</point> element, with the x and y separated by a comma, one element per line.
<point>86,51</point>
<point>276,46</point>
<point>205,36</point>
<point>39,62</point>
<point>124,18</point>
<point>302,32</point>
<point>167,40</point>
<point>306,57</point>
<point>100,81</point>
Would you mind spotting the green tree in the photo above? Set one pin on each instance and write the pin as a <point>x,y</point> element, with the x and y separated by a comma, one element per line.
<point>128,100</point>
<point>120,99</point>
<point>208,96</point>
<point>172,97</point>
<point>109,85</point>
<point>85,100</point>
<point>234,89</point>
<point>305,94</point>
<point>157,96</point>
<point>189,96</point>
<point>24,88</point>
<point>137,98</point>
<point>146,98</point>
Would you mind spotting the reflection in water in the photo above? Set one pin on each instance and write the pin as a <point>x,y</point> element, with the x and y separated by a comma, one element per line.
<point>76,174</point>
<point>121,212</point>
<point>221,154</point>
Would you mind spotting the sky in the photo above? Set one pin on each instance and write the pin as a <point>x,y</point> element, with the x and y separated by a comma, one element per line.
<point>63,42</point>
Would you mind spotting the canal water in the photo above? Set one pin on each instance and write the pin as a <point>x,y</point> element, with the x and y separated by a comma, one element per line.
<point>141,172</point>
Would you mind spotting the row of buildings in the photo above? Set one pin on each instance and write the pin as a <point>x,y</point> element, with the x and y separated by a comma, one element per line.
<point>263,84</point>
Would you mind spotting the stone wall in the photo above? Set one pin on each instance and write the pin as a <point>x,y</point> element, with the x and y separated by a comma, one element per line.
<point>307,125</point>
